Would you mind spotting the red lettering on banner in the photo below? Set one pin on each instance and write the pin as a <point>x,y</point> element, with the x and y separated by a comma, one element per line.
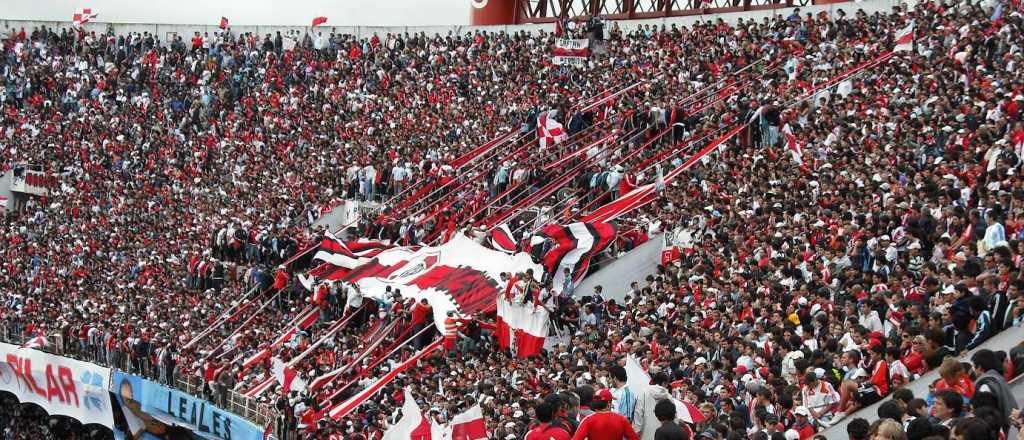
<point>62,386</point>
<point>67,383</point>
<point>52,390</point>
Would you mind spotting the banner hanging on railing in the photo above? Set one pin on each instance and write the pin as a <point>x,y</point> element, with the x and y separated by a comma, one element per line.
<point>570,52</point>
<point>61,386</point>
<point>152,410</point>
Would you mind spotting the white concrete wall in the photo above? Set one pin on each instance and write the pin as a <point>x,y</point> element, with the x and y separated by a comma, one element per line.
<point>10,22</point>
<point>1002,342</point>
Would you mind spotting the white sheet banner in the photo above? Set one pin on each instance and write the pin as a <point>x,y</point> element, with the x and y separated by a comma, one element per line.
<point>60,385</point>
<point>569,61</point>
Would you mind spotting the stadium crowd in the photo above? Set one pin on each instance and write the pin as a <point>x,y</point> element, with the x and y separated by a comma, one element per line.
<point>192,169</point>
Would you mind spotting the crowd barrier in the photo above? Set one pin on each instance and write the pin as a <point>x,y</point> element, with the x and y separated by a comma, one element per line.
<point>63,383</point>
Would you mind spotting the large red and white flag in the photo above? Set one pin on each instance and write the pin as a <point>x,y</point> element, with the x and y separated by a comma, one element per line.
<point>460,275</point>
<point>549,130</point>
<point>573,246</point>
<point>905,38</point>
<point>794,146</point>
<point>521,327</point>
<point>348,254</point>
<point>287,377</point>
<point>317,21</point>
<point>82,16</point>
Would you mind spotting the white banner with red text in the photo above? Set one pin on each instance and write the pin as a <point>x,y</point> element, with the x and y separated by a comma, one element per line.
<point>59,385</point>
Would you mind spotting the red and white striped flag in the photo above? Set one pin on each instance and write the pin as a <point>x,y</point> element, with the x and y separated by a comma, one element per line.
<point>287,377</point>
<point>905,38</point>
<point>82,16</point>
<point>573,247</point>
<point>36,342</point>
<point>348,254</point>
<point>549,130</point>
<point>794,146</point>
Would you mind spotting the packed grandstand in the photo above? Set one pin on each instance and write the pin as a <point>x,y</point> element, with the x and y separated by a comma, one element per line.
<point>836,197</point>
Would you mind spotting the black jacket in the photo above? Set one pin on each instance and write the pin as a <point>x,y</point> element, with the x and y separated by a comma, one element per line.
<point>669,431</point>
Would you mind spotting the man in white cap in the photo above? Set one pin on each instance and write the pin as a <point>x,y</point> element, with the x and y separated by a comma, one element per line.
<point>803,426</point>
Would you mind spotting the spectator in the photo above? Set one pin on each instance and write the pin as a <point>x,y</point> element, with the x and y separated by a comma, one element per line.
<point>645,423</point>
<point>544,429</point>
<point>604,424</point>
<point>991,380</point>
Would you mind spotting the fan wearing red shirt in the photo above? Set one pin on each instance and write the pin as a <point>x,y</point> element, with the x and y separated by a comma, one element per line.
<point>604,424</point>
<point>544,429</point>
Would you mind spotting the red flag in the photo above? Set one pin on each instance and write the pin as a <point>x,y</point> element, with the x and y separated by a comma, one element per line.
<point>317,21</point>
<point>223,22</point>
<point>82,16</point>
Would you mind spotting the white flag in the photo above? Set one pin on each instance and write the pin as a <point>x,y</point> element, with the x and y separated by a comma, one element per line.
<point>905,38</point>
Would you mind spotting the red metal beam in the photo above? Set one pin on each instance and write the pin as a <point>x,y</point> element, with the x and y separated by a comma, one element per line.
<point>630,9</point>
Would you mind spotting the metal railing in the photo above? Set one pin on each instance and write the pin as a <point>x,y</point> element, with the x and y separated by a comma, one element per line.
<point>246,407</point>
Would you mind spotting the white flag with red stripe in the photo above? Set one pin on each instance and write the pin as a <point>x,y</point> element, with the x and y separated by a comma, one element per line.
<point>412,418</point>
<point>573,52</point>
<point>467,426</point>
<point>287,377</point>
<point>36,342</point>
<point>549,130</point>
<point>521,327</point>
<point>794,146</point>
<point>905,38</point>
<point>82,16</point>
